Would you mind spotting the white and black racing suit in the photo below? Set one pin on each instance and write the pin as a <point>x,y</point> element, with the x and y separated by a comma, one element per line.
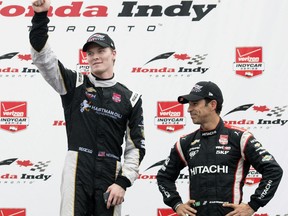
<point>218,162</point>
<point>99,114</point>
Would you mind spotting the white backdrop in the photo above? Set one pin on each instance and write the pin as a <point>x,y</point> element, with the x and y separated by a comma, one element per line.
<point>240,45</point>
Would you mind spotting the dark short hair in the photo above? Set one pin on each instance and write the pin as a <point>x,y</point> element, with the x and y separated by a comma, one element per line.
<point>218,107</point>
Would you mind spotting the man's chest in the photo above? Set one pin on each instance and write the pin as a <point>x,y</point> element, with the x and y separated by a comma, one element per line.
<point>216,150</point>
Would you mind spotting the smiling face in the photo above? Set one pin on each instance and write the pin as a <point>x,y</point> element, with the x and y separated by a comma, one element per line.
<point>204,113</point>
<point>101,60</point>
<point>199,111</point>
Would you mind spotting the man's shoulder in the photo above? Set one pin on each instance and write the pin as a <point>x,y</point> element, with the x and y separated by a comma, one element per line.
<point>190,136</point>
<point>132,96</point>
<point>234,128</point>
<point>126,89</point>
<point>236,132</point>
<point>122,87</point>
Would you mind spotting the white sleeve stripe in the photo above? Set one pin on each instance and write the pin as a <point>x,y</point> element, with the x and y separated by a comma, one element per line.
<point>239,171</point>
<point>238,177</point>
<point>134,98</point>
<point>79,79</point>
<point>244,138</point>
<point>180,152</point>
<point>130,166</point>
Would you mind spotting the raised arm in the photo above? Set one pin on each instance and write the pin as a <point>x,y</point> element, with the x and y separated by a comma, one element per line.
<point>42,55</point>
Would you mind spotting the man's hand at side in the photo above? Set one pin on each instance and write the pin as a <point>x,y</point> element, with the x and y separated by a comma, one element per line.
<point>239,209</point>
<point>116,196</point>
<point>185,209</point>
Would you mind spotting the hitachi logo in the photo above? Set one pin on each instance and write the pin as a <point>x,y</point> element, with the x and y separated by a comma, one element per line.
<point>266,189</point>
<point>209,169</point>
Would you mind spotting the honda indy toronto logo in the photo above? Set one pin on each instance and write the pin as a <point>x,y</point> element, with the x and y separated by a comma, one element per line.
<point>13,116</point>
<point>12,212</point>
<point>17,65</point>
<point>23,171</point>
<point>249,61</point>
<point>120,11</point>
<point>128,9</point>
<point>173,64</point>
<point>257,116</point>
<point>170,116</point>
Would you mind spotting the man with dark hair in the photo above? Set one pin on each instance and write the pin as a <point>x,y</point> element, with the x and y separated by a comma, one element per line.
<point>218,157</point>
<point>99,113</point>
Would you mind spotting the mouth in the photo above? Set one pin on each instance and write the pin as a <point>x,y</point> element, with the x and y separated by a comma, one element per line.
<point>96,63</point>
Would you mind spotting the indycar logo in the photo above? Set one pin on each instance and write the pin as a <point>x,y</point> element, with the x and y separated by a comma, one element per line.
<point>170,116</point>
<point>249,61</point>
<point>253,177</point>
<point>13,116</point>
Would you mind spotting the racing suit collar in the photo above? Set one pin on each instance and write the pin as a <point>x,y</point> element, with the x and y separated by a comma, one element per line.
<point>102,82</point>
<point>212,132</point>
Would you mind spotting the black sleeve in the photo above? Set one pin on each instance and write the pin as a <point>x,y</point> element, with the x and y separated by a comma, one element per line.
<point>39,30</point>
<point>167,176</point>
<point>270,170</point>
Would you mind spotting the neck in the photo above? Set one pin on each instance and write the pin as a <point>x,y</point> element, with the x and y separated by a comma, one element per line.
<point>211,124</point>
<point>104,76</point>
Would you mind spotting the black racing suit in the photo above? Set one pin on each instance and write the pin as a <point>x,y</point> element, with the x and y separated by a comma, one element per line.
<point>218,162</point>
<point>99,114</point>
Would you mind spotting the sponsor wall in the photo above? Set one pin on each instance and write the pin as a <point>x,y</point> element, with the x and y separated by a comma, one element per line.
<point>240,45</point>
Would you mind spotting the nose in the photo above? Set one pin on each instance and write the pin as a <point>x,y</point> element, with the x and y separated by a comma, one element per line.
<point>95,56</point>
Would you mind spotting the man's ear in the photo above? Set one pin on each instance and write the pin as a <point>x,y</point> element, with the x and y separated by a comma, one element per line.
<point>213,104</point>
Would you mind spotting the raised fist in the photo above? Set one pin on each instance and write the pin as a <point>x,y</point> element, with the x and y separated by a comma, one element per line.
<point>40,5</point>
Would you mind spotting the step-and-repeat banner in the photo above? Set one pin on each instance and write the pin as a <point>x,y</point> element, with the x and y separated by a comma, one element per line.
<point>163,49</point>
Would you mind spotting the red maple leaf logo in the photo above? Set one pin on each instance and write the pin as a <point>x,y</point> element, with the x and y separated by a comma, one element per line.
<point>261,108</point>
<point>181,56</point>
<point>24,163</point>
<point>25,57</point>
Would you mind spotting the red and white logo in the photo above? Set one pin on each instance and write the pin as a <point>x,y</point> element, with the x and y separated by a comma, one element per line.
<point>82,57</point>
<point>116,97</point>
<point>249,61</point>
<point>253,177</point>
<point>12,212</point>
<point>13,116</point>
<point>166,212</point>
<point>223,139</point>
<point>170,116</point>
<point>83,66</point>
